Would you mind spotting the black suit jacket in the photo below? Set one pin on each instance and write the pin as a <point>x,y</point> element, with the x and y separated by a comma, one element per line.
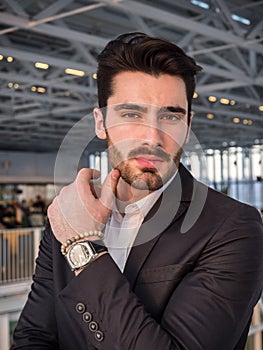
<point>191,282</point>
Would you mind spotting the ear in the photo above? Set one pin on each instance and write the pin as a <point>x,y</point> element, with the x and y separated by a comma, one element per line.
<point>189,127</point>
<point>99,124</point>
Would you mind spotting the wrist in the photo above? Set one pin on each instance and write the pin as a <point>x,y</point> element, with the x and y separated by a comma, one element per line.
<point>90,235</point>
<point>77,272</point>
<point>81,253</point>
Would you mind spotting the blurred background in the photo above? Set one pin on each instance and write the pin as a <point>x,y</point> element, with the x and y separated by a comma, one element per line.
<point>48,53</point>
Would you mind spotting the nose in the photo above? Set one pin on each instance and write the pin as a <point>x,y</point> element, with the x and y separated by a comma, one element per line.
<point>152,134</point>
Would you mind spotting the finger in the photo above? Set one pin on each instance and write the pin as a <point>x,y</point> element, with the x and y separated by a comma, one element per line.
<point>83,183</point>
<point>88,174</point>
<point>108,191</point>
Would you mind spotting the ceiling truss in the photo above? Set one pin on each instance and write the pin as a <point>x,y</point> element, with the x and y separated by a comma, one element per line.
<point>70,34</point>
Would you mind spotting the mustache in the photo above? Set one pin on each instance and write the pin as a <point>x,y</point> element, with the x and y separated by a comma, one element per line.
<point>158,152</point>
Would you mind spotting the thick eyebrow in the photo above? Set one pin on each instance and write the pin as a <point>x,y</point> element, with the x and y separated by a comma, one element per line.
<point>130,106</point>
<point>173,109</point>
<point>135,107</point>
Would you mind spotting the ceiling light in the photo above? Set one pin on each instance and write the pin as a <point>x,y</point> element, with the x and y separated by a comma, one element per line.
<point>212,99</point>
<point>224,101</point>
<point>247,122</point>
<point>33,88</point>
<point>41,89</point>
<point>195,95</point>
<point>260,108</point>
<point>240,19</point>
<point>10,59</point>
<point>1,57</point>
<point>236,120</point>
<point>210,116</point>
<point>201,4</point>
<point>232,102</point>
<point>16,85</point>
<point>94,76</point>
<point>10,85</point>
<point>41,65</point>
<point>79,73</point>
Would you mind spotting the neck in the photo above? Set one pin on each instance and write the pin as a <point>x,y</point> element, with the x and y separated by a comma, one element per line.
<point>126,194</point>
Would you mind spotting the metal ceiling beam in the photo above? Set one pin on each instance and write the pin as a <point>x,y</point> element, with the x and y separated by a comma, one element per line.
<point>53,61</point>
<point>15,6</point>
<point>229,113</point>
<point>238,98</point>
<point>61,111</point>
<point>51,30</point>
<point>229,85</point>
<point>53,83</point>
<point>226,13</point>
<point>43,98</point>
<point>62,63</point>
<point>139,9</point>
<point>220,72</point>
<point>182,22</point>
<point>52,9</point>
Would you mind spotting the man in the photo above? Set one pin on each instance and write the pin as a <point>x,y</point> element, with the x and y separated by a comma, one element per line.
<point>182,266</point>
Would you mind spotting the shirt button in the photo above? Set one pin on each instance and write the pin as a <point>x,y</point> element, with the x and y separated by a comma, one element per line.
<point>80,308</point>
<point>93,326</point>
<point>99,336</point>
<point>87,317</point>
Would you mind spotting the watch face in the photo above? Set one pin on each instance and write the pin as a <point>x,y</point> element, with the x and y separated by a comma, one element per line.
<point>79,255</point>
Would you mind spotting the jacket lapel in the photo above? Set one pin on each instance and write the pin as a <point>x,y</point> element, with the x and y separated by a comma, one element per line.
<point>170,206</point>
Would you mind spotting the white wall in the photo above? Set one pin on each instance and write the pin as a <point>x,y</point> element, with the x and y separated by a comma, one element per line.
<point>30,167</point>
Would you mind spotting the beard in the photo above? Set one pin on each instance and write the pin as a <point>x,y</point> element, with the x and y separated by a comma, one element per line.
<point>144,178</point>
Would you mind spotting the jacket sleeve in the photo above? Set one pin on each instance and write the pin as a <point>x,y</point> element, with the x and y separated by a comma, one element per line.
<point>210,309</point>
<point>36,328</point>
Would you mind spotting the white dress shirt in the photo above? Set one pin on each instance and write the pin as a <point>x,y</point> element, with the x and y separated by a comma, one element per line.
<point>121,231</point>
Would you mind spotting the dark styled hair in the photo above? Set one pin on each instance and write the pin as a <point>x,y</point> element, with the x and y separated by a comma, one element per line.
<point>139,52</point>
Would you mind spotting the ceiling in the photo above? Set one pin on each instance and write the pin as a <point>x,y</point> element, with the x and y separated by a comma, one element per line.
<point>39,106</point>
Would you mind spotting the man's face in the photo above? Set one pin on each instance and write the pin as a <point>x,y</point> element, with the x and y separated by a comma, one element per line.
<point>146,127</point>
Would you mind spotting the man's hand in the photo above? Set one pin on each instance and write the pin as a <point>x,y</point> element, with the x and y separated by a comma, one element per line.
<point>80,207</point>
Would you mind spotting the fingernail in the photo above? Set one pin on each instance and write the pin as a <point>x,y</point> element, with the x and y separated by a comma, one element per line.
<point>115,174</point>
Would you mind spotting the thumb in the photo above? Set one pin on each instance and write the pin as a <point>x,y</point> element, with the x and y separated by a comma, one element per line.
<point>109,187</point>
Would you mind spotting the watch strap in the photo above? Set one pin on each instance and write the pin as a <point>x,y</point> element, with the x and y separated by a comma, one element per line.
<point>98,246</point>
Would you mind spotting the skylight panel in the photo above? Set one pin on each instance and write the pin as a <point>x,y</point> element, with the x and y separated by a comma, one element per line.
<point>202,4</point>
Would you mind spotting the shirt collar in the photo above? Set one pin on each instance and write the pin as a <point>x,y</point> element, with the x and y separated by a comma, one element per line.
<point>145,204</point>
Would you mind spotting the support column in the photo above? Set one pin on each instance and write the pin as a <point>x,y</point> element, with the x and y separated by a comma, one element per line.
<point>37,238</point>
<point>4,332</point>
<point>256,321</point>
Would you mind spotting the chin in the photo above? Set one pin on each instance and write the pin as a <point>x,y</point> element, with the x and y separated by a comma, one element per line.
<point>147,180</point>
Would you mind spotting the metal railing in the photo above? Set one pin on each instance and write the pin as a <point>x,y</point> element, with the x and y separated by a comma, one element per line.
<point>18,248</point>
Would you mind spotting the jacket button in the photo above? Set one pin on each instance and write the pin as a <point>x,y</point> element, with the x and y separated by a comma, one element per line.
<point>99,336</point>
<point>87,317</point>
<point>93,326</point>
<point>80,308</point>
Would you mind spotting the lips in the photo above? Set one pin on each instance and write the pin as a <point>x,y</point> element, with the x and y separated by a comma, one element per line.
<point>148,162</point>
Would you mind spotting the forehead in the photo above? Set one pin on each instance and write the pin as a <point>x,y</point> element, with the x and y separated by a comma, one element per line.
<point>143,88</point>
